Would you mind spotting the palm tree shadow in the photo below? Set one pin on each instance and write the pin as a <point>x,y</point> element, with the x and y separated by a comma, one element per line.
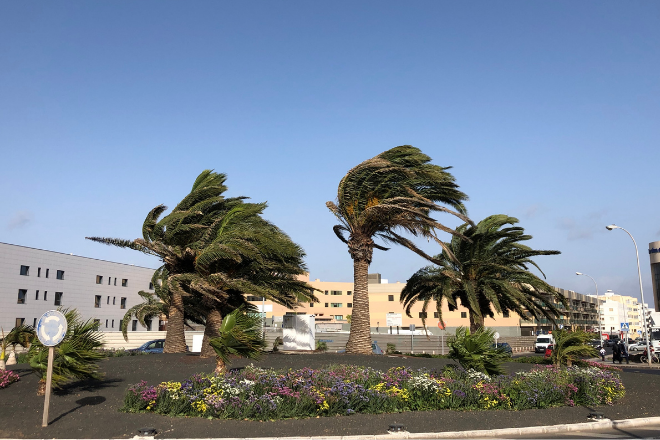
<point>86,385</point>
<point>85,401</point>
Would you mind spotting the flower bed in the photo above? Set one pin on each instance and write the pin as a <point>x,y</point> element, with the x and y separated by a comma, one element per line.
<point>7,378</point>
<point>258,394</point>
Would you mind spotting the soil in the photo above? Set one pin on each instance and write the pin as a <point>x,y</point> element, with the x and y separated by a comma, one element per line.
<point>91,409</point>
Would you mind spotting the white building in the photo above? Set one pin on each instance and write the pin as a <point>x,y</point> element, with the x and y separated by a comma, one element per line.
<point>33,281</point>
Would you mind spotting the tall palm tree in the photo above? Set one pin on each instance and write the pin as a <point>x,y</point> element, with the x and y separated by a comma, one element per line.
<point>381,197</point>
<point>174,239</point>
<point>488,273</point>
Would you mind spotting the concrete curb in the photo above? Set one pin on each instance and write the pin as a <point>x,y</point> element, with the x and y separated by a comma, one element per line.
<point>486,433</point>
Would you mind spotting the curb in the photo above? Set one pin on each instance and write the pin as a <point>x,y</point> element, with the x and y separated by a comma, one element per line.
<point>555,429</point>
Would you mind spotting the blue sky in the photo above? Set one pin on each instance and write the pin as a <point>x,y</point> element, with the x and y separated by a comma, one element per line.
<point>548,111</point>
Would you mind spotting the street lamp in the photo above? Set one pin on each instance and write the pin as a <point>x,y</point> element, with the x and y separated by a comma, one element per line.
<point>641,289</point>
<point>600,328</point>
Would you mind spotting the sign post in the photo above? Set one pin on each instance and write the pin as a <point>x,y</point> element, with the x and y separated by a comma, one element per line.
<point>51,330</point>
<point>442,337</point>
<point>497,336</point>
<point>412,331</point>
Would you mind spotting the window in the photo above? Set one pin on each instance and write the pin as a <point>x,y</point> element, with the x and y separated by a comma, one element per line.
<point>113,300</point>
<point>58,298</point>
<point>390,297</point>
<point>422,315</point>
<point>19,321</point>
<point>311,304</point>
<point>115,281</point>
<point>60,275</point>
<point>436,315</point>
<point>124,283</point>
<point>108,301</point>
<point>336,305</point>
<point>505,314</point>
<point>109,279</point>
<point>47,270</point>
<point>335,292</point>
<point>339,317</point>
<point>254,298</point>
<point>134,325</point>
<point>99,279</point>
<point>97,301</point>
<point>326,292</point>
<point>151,286</point>
<point>45,295</point>
<point>34,323</point>
<point>113,324</point>
<point>97,323</point>
<point>349,293</point>
<point>122,303</point>
<point>349,305</point>
<point>106,323</point>
<point>22,294</point>
<point>463,314</point>
<point>326,304</point>
<point>38,271</point>
<point>36,295</point>
<point>611,310</point>
<point>25,270</point>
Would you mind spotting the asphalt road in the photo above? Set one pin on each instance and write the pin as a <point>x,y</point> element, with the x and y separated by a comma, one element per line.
<point>651,431</point>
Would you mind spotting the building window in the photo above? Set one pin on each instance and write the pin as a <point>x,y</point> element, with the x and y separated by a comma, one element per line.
<point>97,301</point>
<point>390,297</point>
<point>422,315</point>
<point>60,275</point>
<point>47,271</point>
<point>115,281</point>
<point>436,315</point>
<point>99,279</point>
<point>58,298</point>
<point>134,325</point>
<point>38,271</point>
<point>113,300</point>
<point>108,301</point>
<point>463,314</point>
<point>113,323</point>
<point>339,317</point>
<point>349,292</point>
<point>326,292</point>
<point>25,270</point>
<point>311,304</point>
<point>106,323</point>
<point>124,282</point>
<point>151,286</point>
<point>97,323</point>
<point>109,280</point>
<point>336,305</point>
<point>19,321</point>
<point>335,292</point>
<point>255,298</point>
<point>36,295</point>
<point>326,304</point>
<point>122,303</point>
<point>22,295</point>
<point>45,295</point>
<point>505,314</point>
<point>349,305</point>
<point>34,323</point>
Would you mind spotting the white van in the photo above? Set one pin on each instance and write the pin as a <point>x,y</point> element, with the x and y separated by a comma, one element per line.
<point>542,342</point>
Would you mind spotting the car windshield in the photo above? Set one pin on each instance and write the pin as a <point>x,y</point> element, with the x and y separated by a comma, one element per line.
<point>543,340</point>
<point>655,335</point>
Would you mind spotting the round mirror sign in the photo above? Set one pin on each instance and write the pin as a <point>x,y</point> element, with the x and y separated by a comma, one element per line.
<point>51,328</point>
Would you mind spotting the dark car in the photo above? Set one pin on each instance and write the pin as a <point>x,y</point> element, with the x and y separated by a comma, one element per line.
<point>155,346</point>
<point>503,345</point>
<point>611,342</point>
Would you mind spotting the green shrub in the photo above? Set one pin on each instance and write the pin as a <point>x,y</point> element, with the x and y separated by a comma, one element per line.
<point>321,346</point>
<point>276,344</point>
<point>539,360</point>
<point>475,351</point>
<point>391,348</point>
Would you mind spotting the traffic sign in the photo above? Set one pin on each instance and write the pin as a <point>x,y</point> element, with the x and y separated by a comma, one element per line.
<point>625,326</point>
<point>441,325</point>
<point>51,328</point>
<point>412,327</point>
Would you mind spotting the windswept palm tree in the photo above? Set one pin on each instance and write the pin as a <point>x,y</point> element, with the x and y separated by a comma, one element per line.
<point>239,335</point>
<point>571,346</point>
<point>174,239</point>
<point>394,192</point>
<point>488,273</point>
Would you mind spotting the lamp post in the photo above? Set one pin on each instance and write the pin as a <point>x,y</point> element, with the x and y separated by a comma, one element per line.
<point>600,328</point>
<point>641,289</point>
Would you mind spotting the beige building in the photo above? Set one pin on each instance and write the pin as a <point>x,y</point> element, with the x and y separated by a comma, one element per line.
<point>617,309</point>
<point>336,302</point>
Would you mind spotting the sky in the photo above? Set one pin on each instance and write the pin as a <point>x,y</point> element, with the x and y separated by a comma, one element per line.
<point>547,111</point>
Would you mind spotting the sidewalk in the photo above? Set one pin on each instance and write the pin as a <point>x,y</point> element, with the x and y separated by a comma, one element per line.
<point>632,364</point>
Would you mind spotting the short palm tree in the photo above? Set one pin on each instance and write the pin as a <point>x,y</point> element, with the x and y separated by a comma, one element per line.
<point>20,335</point>
<point>239,335</point>
<point>174,239</point>
<point>394,192</point>
<point>488,273</point>
<point>571,346</point>
<point>75,357</point>
<point>476,351</point>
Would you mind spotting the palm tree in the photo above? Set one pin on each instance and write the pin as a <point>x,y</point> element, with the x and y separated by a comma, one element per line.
<point>239,335</point>
<point>488,273</point>
<point>474,350</point>
<point>392,192</point>
<point>75,357</point>
<point>571,346</point>
<point>173,239</point>
<point>20,335</point>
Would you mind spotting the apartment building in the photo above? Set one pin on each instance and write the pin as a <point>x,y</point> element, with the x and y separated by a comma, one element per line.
<point>617,309</point>
<point>336,302</point>
<point>33,281</point>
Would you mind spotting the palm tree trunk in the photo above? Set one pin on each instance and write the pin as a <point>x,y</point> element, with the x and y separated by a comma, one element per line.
<point>175,339</point>
<point>359,340</point>
<point>212,329</point>
<point>476,322</point>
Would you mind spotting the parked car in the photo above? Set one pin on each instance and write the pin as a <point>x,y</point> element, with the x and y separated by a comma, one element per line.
<point>548,350</point>
<point>611,341</point>
<point>542,342</point>
<point>505,346</point>
<point>155,346</point>
<point>637,346</point>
